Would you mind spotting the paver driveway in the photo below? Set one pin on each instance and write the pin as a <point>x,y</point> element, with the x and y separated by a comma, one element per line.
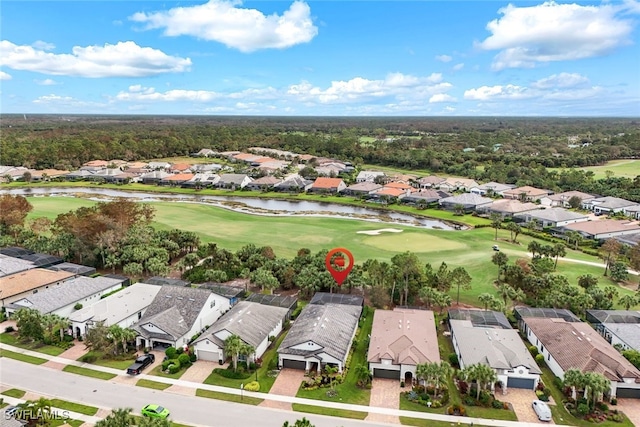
<point>197,373</point>
<point>73,353</point>
<point>287,384</point>
<point>521,400</point>
<point>631,408</point>
<point>385,393</point>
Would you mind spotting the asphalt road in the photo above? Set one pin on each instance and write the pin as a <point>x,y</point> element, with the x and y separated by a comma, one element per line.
<point>194,411</point>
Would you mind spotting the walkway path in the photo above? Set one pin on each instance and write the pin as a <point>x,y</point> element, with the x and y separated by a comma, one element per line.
<point>280,398</point>
<point>385,394</point>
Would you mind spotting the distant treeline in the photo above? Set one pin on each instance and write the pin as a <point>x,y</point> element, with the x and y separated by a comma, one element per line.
<point>510,150</point>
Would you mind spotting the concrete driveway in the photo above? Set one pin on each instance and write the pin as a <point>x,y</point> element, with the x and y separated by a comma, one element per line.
<point>520,400</point>
<point>197,373</point>
<point>385,393</point>
<point>287,384</point>
<point>631,408</point>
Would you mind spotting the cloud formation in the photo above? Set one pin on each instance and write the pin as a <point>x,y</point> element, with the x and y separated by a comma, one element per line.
<point>5,76</point>
<point>527,36</point>
<point>124,59</point>
<point>244,29</point>
<point>443,58</point>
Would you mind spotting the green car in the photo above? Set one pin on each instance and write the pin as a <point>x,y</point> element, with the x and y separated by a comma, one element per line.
<point>155,411</point>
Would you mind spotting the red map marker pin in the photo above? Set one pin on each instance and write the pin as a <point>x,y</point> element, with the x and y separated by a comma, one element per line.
<point>335,262</point>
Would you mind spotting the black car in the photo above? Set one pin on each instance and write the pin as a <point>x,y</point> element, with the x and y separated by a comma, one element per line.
<point>141,363</point>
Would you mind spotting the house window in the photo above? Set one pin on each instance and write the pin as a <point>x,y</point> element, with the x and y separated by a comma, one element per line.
<point>549,356</point>
<point>139,315</point>
<point>213,303</point>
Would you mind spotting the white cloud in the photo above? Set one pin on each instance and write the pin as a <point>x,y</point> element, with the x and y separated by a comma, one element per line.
<point>486,93</point>
<point>5,76</point>
<point>124,59</point>
<point>40,45</point>
<point>244,29</point>
<point>458,67</point>
<point>443,58</point>
<point>562,80</point>
<point>46,82</point>
<point>441,97</point>
<point>550,32</point>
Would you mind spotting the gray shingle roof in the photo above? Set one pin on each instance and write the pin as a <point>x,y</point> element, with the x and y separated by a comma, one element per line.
<point>498,348</point>
<point>232,178</point>
<point>466,199</point>
<point>609,202</point>
<point>10,265</point>
<point>554,214</point>
<point>251,321</point>
<point>174,310</point>
<point>330,326</point>
<point>73,290</point>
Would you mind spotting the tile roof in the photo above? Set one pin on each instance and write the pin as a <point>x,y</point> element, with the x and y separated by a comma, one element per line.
<point>577,345</point>
<point>556,215</point>
<point>28,280</point>
<point>495,186</point>
<point>327,182</point>
<point>71,291</point>
<point>466,199</point>
<point>331,326</point>
<point>603,226</point>
<point>495,347</point>
<point>394,192</point>
<point>405,336</point>
<point>528,190</point>
<point>400,185</point>
<point>173,310</point>
<point>565,196</point>
<point>232,178</point>
<point>251,321</point>
<point>364,186</point>
<point>179,177</point>
<point>267,180</point>
<point>432,179</point>
<point>512,206</point>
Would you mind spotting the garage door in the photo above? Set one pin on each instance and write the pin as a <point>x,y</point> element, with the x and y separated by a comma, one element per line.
<point>294,364</point>
<point>527,383</point>
<point>633,393</point>
<point>386,373</point>
<point>213,356</point>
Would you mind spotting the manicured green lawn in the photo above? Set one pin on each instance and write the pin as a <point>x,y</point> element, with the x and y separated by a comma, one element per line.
<point>11,338</point>
<point>14,392</point>
<point>348,391</point>
<point>101,360</point>
<point>266,382</point>
<point>152,384</point>
<point>562,416</point>
<point>22,357</point>
<point>157,371</point>
<point>343,413</point>
<point>61,422</point>
<point>89,372</point>
<point>621,168</point>
<point>418,422</point>
<point>228,397</point>
<point>74,407</point>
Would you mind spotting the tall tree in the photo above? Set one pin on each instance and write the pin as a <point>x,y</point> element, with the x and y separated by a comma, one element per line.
<point>628,301</point>
<point>460,279</point>
<point>496,223</point>
<point>609,252</point>
<point>559,250</point>
<point>501,260</point>
<point>13,211</point>
<point>410,272</point>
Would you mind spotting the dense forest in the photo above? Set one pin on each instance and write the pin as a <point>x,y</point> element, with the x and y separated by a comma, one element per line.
<point>509,150</point>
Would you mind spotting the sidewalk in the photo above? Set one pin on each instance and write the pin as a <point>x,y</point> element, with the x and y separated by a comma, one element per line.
<point>279,398</point>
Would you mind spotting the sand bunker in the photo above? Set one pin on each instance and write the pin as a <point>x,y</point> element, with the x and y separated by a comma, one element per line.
<point>380,231</point>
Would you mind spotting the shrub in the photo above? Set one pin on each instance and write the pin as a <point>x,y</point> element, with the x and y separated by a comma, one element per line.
<point>603,406</point>
<point>546,391</point>
<point>583,409</point>
<point>453,359</point>
<point>192,357</point>
<point>179,350</point>
<point>533,350</point>
<point>463,386</point>
<point>88,358</point>
<point>9,329</point>
<point>497,404</point>
<point>485,397</point>
<point>614,401</point>
<point>539,359</point>
<point>184,360</point>
<point>166,363</point>
<point>252,386</point>
<point>78,306</point>
<point>171,352</point>
<point>229,373</point>
<point>68,338</point>
<point>174,367</point>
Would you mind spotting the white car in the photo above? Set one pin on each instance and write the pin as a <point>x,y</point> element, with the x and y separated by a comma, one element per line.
<point>542,410</point>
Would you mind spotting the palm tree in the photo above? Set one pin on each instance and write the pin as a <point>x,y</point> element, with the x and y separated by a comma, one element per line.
<point>486,299</point>
<point>126,336</point>
<point>115,335</point>
<point>496,222</point>
<point>534,247</point>
<point>443,373</point>
<point>628,301</point>
<point>117,418</point>
<point>363,374</point>
<point>500,259</point>
<point>597,385</point>
<point>485,376</point>
<point>575,379</point>
<point>428,295</point>
<point>233,346</point>
<point>559,250</point>
<point>575,237</point>
<point>442,300</point>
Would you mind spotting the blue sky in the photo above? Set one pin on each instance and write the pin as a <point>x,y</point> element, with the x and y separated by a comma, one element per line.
<point>321,58</point>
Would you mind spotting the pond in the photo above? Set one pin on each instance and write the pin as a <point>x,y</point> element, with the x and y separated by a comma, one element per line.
<point>249,205</point>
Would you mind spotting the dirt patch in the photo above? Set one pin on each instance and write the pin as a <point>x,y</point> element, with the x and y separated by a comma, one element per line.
<point>380,231</point>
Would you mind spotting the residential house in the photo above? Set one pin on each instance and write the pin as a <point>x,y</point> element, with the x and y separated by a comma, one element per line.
<point>206,168</point>
<point>105,175</point>
<point>526,193</point>
<point>328,185</point>
<point>507,208</point>
<point>62,298</point>
<point>78,175</point>
<point>467,202</point>
<point>400,340</point>
<point>551,217</point>
<point>562,199</point>
<point>176,179</point>
<point>426,197</point>
<point>180,168</point>
<point>633,211</point>
<point>486,337</point>
<point>629,239</point>
<point>618,327</point>
<point>285,301</point>
<point>369,176</point>
<point>77,269</point>
<point>608,205</point>
<point>20,285</point>
<point>12,173</point>
<point>256,325</point>
<point>491,189</point>
<point>430,181</point>
<point>96,164</point>
<point>47,174</point>
<point>126,177</point>
<point>322,334</point>
<point>233,181</point>
<point>523,312</point>
<point>37,259</point>
<point>202,180</point>
<point>576,345</point>
<point>362,188</point>
<point>228,290</point>
<point>123,308</point>
<point>159,166</point>
<point>294,184</point>
<point>10,265</point>
<point>206,152</point>
<point>603,229</point>
<point>166,281</point>
<point>389,194</point>
<point>457,184</point>
<point>154,177</point>
<point>264,183</point>
<point>176,314</point>
<point>272,166</point>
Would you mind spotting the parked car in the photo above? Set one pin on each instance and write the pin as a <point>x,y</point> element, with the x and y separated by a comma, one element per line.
<point>141,363</point>
<point>155,411</point>
<point>542,410</point>
<point>10,411</point>
<point>496,248</point>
